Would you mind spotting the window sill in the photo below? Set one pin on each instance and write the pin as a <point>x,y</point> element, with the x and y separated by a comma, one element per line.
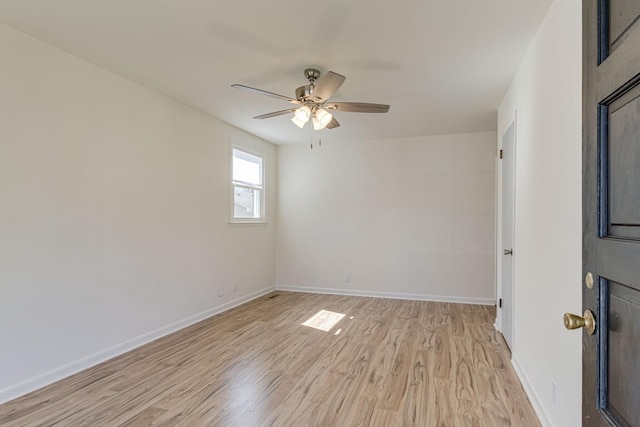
<point>256,222</point>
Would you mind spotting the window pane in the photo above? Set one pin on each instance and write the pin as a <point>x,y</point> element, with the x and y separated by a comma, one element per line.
<point>246,202</point>
<point>247,168</point>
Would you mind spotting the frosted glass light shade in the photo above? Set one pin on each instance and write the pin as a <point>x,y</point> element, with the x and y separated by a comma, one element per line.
<point>298,122</point>
<point>303,114</point>
<point>324,117</point>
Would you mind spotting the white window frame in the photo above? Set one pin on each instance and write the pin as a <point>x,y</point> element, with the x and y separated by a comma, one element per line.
<point>261,189</point>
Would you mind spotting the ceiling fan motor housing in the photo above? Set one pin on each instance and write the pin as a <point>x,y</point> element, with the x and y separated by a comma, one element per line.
<point>303,92</point>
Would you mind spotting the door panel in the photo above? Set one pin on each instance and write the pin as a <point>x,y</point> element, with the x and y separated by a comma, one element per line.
<point>611,211</point>
<point>622,16</point>
<point>621,307</point>
<point>506,289</point>
<point>621,170</point>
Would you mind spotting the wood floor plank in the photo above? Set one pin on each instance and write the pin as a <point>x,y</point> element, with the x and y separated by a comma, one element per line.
<point>144,417</point>
<point>415,405</point>
<point>270,362</point>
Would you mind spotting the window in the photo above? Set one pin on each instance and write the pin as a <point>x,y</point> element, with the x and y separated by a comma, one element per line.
<point>247,171</point>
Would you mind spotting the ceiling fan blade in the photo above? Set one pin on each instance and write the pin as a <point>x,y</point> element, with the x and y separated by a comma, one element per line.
<point>264,92</point>
<point>333,124</point>
<point>327,86</point>
<point>275,113</point>
<point>357,107</point>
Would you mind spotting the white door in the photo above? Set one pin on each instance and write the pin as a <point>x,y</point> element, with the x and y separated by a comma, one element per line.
<point>506,251</point>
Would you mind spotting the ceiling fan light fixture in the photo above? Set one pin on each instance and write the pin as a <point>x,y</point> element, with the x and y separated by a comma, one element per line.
<point>303,114</point>
<point>312,101</point>
<point>324,117</point>
<point>297,121</point>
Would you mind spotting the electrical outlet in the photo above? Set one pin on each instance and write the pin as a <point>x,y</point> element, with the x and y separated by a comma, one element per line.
<point>221,291</point>
<point>347,278</point>
<point>554,391</point>
<point>234,286</point>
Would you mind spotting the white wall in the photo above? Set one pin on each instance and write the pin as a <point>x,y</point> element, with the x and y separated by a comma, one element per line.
<point>410,217</point>
<point>114,207</point>
<point>546,93</point>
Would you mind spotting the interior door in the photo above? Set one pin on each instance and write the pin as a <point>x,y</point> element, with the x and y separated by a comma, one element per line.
<point>611,212</point>
<point>506,291</point>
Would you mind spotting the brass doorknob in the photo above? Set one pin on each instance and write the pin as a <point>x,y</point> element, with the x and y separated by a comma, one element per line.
<point>573,321</point>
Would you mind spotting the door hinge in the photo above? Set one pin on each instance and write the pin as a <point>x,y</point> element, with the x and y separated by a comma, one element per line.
<point>500,153</point>
<point>500,303</point>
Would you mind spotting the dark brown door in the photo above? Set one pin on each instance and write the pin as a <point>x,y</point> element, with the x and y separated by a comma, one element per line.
<point>611,211</point>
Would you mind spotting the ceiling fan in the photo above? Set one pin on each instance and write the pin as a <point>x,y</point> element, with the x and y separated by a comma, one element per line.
<point>312,101</point>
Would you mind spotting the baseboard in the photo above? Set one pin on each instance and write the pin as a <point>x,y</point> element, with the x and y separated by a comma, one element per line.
<point>531,394</point>
<point>37,382</point>
<point>392,295</point>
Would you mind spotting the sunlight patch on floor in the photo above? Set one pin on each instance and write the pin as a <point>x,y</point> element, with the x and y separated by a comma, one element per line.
<point>324,320</point>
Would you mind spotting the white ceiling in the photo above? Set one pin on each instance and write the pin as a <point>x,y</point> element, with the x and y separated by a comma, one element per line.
<point>443,65</point>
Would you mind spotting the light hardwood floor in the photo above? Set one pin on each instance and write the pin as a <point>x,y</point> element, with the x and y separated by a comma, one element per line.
<point>385,363</point>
